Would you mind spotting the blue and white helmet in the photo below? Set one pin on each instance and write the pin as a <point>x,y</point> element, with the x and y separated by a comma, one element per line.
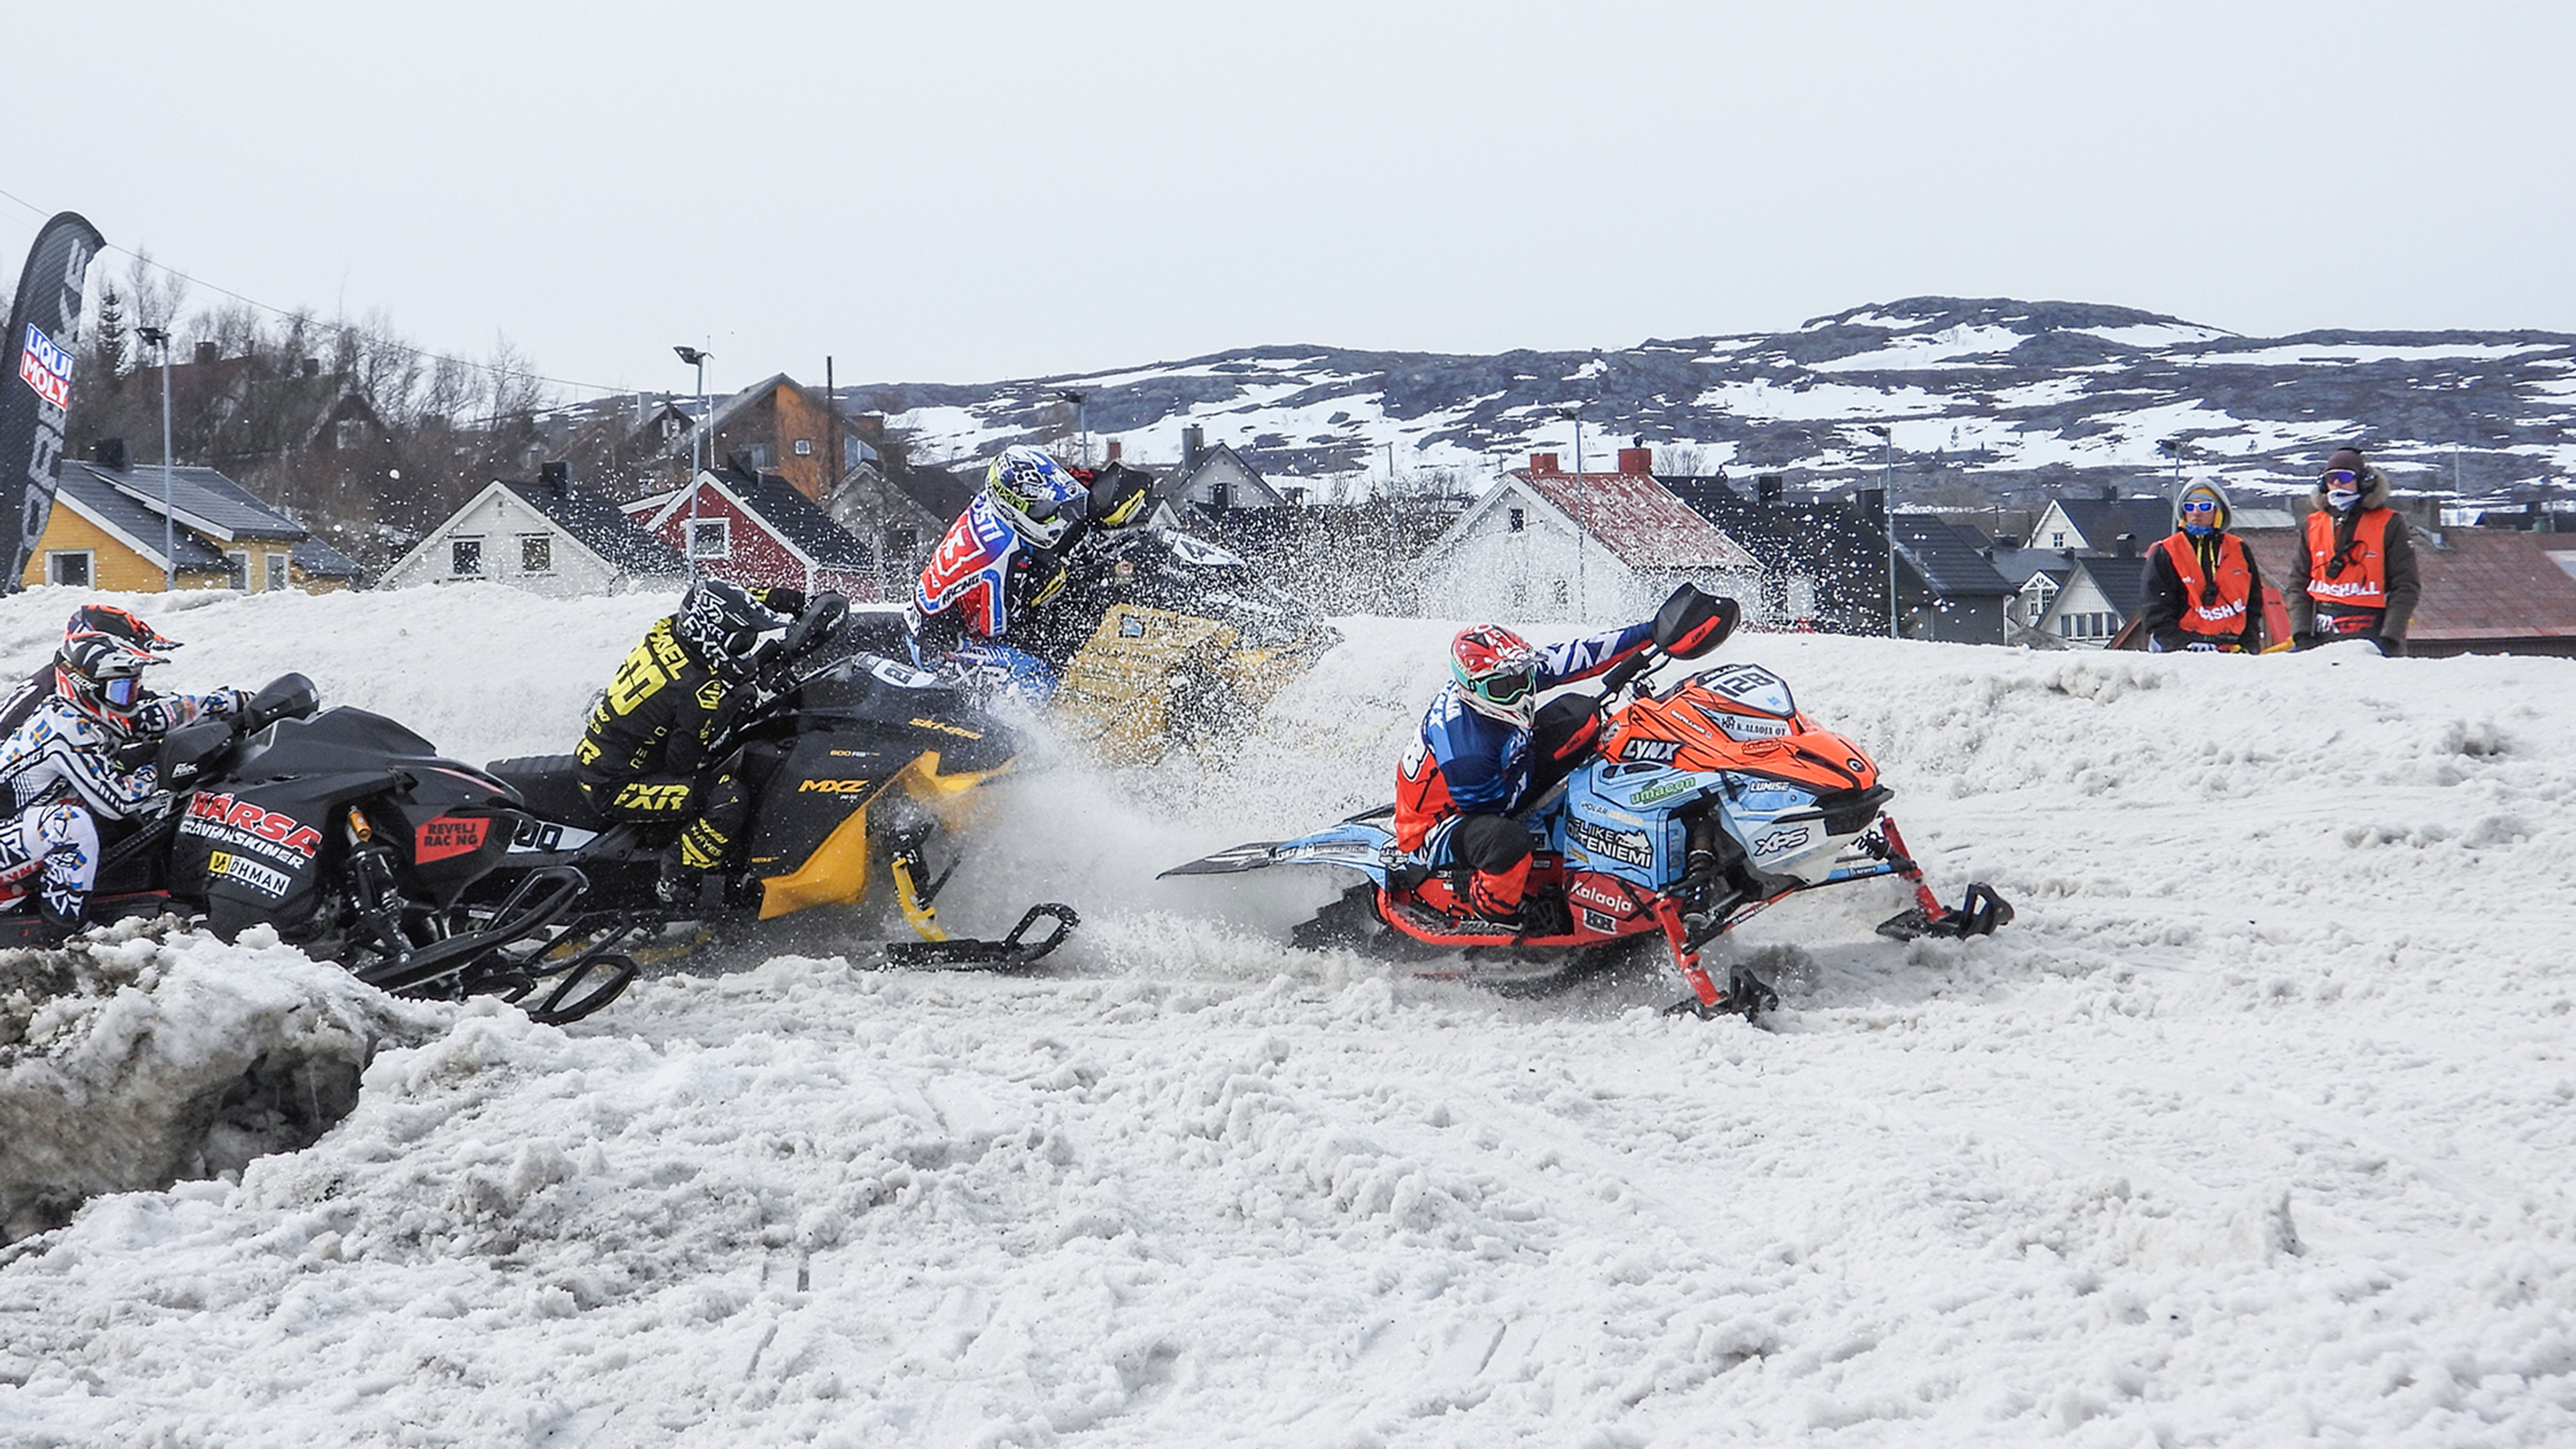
<point>1036,495</point>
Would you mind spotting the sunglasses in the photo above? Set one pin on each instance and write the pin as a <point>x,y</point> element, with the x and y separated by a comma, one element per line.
<point>2343,477</point>
<point>2200,505</point>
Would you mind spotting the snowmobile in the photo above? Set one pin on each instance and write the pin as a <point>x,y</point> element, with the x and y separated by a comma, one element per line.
<point>1683,814</point>
<point>861,767</point>
<point>353,838</point>
<point>1151,638</point>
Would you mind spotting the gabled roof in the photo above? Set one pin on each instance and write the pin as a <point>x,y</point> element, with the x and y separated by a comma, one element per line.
<point>1639,520</point>
<point>2121,581</point>
<point>202,499</point>
<point>797,520</point>
<point>596,523</point>
<point>86,488</point>
<point>2103,520</point>
<point>1947,557</point>
<point>322,561</point>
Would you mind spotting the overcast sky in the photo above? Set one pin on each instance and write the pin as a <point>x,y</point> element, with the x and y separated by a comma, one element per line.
<point>966,192</point>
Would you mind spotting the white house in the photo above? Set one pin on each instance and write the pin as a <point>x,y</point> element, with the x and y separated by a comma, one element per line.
<point>1546,544</point>
<point>2095,602</point>
<point>547,537</point>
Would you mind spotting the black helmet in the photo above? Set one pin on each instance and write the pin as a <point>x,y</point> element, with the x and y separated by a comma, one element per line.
<point>732,631</point>
<point>100,667</point>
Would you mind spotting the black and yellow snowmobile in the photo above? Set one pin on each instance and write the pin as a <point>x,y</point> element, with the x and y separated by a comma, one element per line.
<point>862,768</point>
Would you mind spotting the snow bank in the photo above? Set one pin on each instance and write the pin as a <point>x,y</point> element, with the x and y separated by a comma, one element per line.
<point>2254,1129</point>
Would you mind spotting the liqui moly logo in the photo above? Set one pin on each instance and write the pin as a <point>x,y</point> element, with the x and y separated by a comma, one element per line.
<point>46,368</point>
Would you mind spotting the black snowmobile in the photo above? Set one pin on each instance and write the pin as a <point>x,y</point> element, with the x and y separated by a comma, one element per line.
<point>357,841</point>
<point>862,767</point>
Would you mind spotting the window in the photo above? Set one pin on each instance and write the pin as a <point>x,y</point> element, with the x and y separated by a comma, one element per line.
<point>757,455</point>
<point>2057,538</point>
<point>349,433</point>
<point>902,542</point>
<point>849,453</point>
<point>70,567</point>
<point>2065,626</point>
<point>1216,495</point>
<point>1519,519</point>
<point>279,562</point>
<point>465,558</point>
<point>710,538</point>
<point>670,428</point>
<point>804,447</point>
<point>1559,593</point>
<point>237,571</point>
<point>1520,596</point>
<point>536,554</point>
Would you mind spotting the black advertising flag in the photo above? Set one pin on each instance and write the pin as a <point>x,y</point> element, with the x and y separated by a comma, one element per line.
<point>44,333</point>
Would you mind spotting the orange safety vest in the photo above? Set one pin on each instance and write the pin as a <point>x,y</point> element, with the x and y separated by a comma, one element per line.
<point>2362,582</point>
<point>2222,616</point>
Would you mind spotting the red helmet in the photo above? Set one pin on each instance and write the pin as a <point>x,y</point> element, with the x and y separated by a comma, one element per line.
<point>1497,673</point>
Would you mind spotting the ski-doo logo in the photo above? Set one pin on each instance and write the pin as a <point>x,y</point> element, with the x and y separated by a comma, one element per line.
<point>959,731</point>
<point>449,835</point>
<point>270,883</point>
<point>1628,847</point>
<point>1787,838</point>
<point>222,817</point>
<point>831,787</point>
<point>1658,752</point>
<point>46,368</point>
<point>1590,892</point>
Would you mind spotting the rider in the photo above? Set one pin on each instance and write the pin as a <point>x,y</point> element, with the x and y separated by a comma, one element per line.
<point>643,754</point>
<point>73,761</point>
<point>1007,553</point>
<point>1471,766</point>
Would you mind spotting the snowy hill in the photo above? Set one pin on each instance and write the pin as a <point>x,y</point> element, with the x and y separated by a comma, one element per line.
<point>2254,1129</point>
<point>1990,394</point>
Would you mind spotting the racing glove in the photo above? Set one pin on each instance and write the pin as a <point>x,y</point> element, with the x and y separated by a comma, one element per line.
<point>2201,647</point>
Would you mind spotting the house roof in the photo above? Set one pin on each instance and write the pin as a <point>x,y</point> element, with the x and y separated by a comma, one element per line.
<point>1948,558</point>
<point>137,527</point>
<point>598,524</point>
<point>323,561</point>
<point>2103,520</point>
<point>791,515</point>
<point>1638,519</point>
<point>202,499</point>
<point>2121,581</point>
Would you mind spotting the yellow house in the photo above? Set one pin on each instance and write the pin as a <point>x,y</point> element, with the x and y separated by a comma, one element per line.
<point>109,530</point>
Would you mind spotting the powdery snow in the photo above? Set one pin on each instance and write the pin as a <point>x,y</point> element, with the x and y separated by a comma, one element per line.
<point>2254,1129</point>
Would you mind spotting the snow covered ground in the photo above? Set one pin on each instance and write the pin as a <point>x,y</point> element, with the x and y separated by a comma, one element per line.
<point>2255,1129</point>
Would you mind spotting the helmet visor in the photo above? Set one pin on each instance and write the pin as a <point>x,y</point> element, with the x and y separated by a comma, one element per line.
<point>1509,687</point>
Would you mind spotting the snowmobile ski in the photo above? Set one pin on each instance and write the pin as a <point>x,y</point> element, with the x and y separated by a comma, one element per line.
<point>1011,952</point>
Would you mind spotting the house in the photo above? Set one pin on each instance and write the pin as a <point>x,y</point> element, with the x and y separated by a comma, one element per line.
<point>2092,599</point>
<point>900,510</point>
<point>111,529</point>
<point>1209,478</point>
<point>1947,587</point>
<point>778,426</point>
<point>2096,525</point>
<point>759,530</point>
<point>1546,544</point>
<point>547,537</point>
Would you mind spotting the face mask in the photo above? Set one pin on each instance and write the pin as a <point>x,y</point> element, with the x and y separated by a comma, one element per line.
<point>2340,499</point>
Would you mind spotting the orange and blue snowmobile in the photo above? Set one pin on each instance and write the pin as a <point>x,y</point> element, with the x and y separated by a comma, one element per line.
<point>1683,814</point>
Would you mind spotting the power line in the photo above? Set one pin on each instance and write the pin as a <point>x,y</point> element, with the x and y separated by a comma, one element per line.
<point>335,327</point>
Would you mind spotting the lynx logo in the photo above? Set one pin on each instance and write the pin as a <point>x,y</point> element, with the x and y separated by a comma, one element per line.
<point>46,368</point>
<point>1787,838</point>
<point>1658,752</point>
<point>270,883</point>
<point>1628,847</point>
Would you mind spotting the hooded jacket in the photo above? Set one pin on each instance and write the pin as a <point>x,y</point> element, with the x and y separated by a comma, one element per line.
<point>2212,562</point>
<point>2396,563</point>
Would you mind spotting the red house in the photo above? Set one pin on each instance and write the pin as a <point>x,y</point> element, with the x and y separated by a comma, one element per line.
<point>757,530</point>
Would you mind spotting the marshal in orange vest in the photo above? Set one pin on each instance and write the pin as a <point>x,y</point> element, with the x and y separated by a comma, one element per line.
<point>2213,613</point>
<point>2355,577</point>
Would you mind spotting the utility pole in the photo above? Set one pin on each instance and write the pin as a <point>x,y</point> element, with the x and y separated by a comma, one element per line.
<point>1887,506</point>
<point>1082,422</point>
<point>830,472</point>
<point>698,444</point>
<point>160,337</point>
<point>1582,517</point>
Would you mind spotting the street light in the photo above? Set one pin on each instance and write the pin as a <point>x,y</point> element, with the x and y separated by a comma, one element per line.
<point>2174,448</point>
<point>1582,514</point>
<point>697,358</point>
<point>1887,503</point>
<point>1081,421</point>
<point>160,337</point>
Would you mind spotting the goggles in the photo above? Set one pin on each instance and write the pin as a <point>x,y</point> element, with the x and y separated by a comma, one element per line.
<point>1506,689</point>
<point>123,693</point>
<point>2200,505</point>
<point>2341,478</point>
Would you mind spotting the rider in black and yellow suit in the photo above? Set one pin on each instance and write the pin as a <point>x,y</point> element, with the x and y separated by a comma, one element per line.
<point>644,753</point>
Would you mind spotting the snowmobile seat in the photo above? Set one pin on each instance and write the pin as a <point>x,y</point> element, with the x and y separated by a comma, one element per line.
<point>551,786</point>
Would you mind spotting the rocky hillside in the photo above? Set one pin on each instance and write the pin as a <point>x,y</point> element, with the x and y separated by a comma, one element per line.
<point>1981,400</point>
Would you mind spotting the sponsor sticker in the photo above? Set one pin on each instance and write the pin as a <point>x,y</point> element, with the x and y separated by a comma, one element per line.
<point>1784,839</point>
<point>448,836</point>
<point>1654,752</point>
<point>1596,922</point>
<point>246,827</point>
<point>266,880</point>
<point>1590,892</point>
<point>1628,847</point>
<point>1664,790</point>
